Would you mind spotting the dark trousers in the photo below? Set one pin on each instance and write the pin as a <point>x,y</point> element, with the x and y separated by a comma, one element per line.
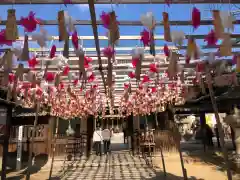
<point>98,147</point>
<point>106,144</point>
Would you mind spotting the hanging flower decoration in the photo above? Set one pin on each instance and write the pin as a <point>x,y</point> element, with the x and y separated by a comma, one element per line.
<point>145,37</point>
<point>53,51</point>
<point>211,38</point>
<point>106,19</point>
<point>108,52</point>
<point>30,22</point>
<point>196,18</point>
<point>166,50</point>
<point>3,40</point>
<point>33,62</point>
<point>49,77</point>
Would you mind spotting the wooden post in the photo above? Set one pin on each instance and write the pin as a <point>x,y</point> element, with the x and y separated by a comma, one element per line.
<point>8,115</point>
<point>221,134</point>
<point>184,171</point>
<point>54,147</point>
<point>30,156</point>
<point>163,161</point>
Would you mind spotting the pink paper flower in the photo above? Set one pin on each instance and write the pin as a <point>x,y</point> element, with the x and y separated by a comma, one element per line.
<point>32,62</point>
<point>145,37</point>
<point>91,78</point>
<point>66,70</point>
<point>211,38</point>
<point>196,18</point>
<point>131,75</point>
<point>53,51</point>
<point>145,79</point>
<point>135,61</point>
<point>3,40</point>
<point>108,52</point>
<point>49,77</point>
<point>105,17</point>
<point>153,68</point>
<point>75,40</point>
<point>166,50</point>
<point>30,22</point>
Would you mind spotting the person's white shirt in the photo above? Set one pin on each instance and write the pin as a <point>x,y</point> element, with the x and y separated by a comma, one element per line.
<point>97,135</point>
<point>106,134</point>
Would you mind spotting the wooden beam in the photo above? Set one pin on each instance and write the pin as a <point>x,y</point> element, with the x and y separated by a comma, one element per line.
<point>125,23</point>
<point>97,44</point>
<point>9,2</point>
<point>156,37</point>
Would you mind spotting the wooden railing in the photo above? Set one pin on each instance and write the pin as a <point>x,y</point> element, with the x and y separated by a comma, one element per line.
<point>40,139</point>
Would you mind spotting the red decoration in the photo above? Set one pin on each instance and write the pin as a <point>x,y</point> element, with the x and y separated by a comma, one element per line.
<point>11,78</point>
<point>145,37</point>
<point>33,62</point>
<point>134,62</point>
<point>53,51</point>
<point>211,38</point>
<point>30,22</point>
<point>131,75</point>
<point>91,78</point>
<point>166,50</point>
<point>75,40</point>
<point>108,52</point>
<point>3,40</point>
<point>49,76</point>
<point>196,18</point>
<point>66,70</point>
<point>153,68</point>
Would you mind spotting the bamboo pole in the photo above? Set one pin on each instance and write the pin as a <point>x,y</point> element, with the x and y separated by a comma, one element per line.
<point>54,147</point>
<point>30,156</point>
<point>221,134</point>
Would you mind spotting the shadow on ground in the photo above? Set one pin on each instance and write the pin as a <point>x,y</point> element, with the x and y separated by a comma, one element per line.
<point>39,161</point>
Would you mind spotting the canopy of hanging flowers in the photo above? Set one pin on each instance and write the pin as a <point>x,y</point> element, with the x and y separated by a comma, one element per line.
<point>66,78</point>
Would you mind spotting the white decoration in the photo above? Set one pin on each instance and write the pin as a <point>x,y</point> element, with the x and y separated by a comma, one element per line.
<point>148,20</point>
<point>69,22</point>
<point>137,51</point>
<point>41,38</point>
<point>177,37</point>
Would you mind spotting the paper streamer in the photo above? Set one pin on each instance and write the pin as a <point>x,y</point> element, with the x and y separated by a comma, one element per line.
<point>217,22</point>
<point>61,26</point>
<point>167,35</point>
<point>11,26</point>
<point>226,46</point>
<point>25,51</point>
<point>113,28</point>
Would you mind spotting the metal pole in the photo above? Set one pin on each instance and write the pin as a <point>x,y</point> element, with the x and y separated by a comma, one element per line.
<point>30,156</point>
<point>215,109</point>
<point>54,147</point>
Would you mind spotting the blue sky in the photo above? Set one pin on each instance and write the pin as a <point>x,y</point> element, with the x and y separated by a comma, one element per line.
<point>124,12</point>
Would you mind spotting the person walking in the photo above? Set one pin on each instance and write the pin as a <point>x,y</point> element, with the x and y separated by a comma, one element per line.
<point>97,139</point>
<point>106,134</point>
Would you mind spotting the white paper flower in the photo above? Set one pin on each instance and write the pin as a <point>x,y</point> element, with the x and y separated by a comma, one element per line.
<point>177,37</point>
<point>137,51</point>
<point>148,20</point>
<point>41,38</point>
